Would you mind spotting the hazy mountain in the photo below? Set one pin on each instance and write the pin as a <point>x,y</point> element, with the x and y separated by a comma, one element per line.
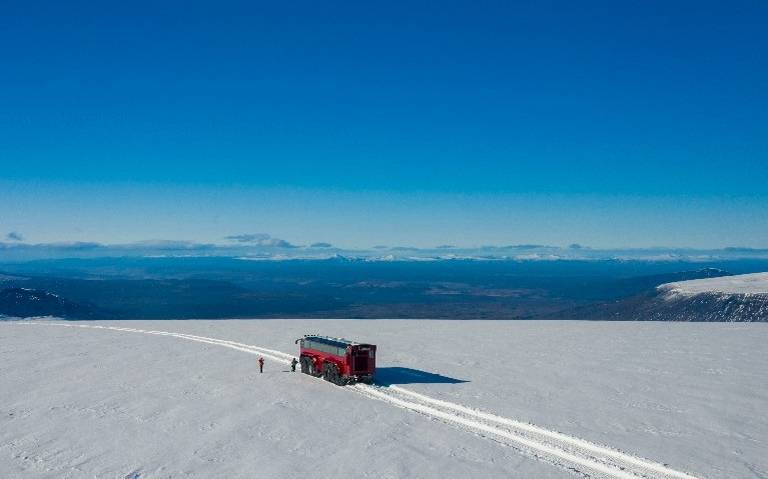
<point>25,302</point>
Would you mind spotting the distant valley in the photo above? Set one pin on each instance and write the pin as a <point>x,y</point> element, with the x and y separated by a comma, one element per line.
<point>195,288</point>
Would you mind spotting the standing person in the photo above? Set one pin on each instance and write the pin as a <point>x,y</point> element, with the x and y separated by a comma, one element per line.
<point>293,365</point>
<point>261,364</point>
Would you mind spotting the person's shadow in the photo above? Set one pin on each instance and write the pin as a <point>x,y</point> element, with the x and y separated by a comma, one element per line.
<point>397,375</point>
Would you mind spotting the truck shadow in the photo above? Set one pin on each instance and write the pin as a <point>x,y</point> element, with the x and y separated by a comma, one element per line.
<point>397,375</point>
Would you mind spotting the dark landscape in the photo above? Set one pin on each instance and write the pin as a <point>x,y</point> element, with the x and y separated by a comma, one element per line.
<point>218,287</point>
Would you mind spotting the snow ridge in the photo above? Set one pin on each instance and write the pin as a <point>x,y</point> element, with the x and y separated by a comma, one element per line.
<point>572,453</point>
<point>746,284</point>
<point>742,298</point>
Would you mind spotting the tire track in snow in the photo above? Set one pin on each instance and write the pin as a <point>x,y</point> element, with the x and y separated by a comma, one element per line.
<point>584,464</point>
<point>560,449</point>
<point>549,435</point>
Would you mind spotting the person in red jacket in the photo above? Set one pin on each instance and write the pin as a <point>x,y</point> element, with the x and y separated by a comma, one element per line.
<point>261,365</point>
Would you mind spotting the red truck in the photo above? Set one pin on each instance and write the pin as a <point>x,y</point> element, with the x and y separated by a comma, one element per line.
<point>337,360</point>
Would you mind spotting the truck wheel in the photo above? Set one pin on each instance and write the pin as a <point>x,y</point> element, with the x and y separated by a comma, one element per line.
<point>327,371</point>
<point>331,373</point>
<point>304,365</point>
<point>337,380</point>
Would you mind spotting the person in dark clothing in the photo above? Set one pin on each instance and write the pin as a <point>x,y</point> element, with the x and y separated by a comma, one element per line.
<point>261,365</point>
<point>294,362</point>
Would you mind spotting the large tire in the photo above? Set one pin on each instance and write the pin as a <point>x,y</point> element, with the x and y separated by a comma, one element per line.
<point>331,374</point>
<point>304,362</point>
<point>328,371</point>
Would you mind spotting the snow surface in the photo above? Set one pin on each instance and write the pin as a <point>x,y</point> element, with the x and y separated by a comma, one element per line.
<point>146,399</point>
<point>755,283</point>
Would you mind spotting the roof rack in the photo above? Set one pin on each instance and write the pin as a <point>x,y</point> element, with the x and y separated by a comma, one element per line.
<point>331,340</point>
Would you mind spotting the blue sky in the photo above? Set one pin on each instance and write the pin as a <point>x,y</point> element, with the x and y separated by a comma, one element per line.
<point>419,123</point>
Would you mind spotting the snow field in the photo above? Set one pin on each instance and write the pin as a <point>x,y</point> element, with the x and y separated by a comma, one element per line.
<point>571,453</point>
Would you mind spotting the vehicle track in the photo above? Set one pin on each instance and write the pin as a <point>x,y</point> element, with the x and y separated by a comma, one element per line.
<point>575,454</point>
<point>563,450</point>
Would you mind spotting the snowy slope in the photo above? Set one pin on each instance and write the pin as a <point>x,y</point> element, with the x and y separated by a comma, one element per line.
<point>755,283</point>
<point>728,298</point>
<point>739,298</point>
<point>182,399</point>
